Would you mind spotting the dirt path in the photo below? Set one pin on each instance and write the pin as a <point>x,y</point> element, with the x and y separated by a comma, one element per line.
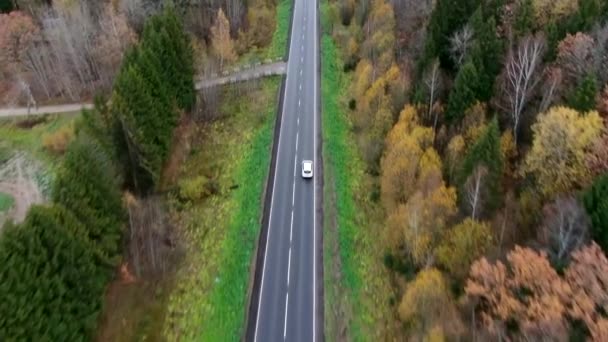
<point>236,75</point>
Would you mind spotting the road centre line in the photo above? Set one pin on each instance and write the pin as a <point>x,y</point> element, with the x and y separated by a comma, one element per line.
<point>285,324</point>
<point>288,267</point>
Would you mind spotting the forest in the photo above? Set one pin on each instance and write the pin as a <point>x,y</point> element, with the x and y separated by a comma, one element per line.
<point>130,178</point>
<point>481,128</point>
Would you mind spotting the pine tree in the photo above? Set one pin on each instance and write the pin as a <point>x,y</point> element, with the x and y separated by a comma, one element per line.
<point>595,200</point>
<point>183,47</point>
<point>52,281</point>
<point>524,20</point>
<point>6,6</point>
<point>485,152</point>
<point>87,185</point>
<point>583,97</point>
<point>486,53</point>
<point>464,93</point>
<point>147,122</point>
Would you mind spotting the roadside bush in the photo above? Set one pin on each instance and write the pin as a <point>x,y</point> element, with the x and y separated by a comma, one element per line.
<point>57,142</point>
<point>194,189</point>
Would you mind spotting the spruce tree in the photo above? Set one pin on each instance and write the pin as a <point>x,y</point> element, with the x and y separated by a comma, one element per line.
<point>595,200</point>
<point>52,281</point>
<point>485,152</point>
<point>6,6</point>
<point>524,19</point>
<point>87,185</point>
<point>463,94</point>
<point>147,121</point>
<point>486,53</point>
<point>583,97</point>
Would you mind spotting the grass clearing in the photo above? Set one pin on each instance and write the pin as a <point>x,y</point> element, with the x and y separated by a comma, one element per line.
<point>234,153</point>
<point>356,285</point>
<point>6,202</point>
<point>27,134</point>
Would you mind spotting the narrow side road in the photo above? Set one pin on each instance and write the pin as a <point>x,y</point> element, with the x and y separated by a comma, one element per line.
<point>278,68</point>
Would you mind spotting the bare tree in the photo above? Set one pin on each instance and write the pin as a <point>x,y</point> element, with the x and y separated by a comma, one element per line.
<point>432,81</point>
<point>475,190</point>
<point>460,42</point>
<point>550,88</point>
<point>565,227</point>
<point>575,55</point>
<point>152,243</point>
<point>521,75</point>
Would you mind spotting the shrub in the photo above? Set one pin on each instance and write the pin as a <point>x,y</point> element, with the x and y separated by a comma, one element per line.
<point>57,142</point>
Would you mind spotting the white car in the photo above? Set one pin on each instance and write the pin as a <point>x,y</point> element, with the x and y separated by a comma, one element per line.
<point>307,169</point>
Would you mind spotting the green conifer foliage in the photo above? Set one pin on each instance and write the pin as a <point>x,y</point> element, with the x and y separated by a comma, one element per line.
<point>486,54</point>
<point>583,97</point>
<point>86,184</point>
<point>464,93</point>
<point>52,281</point>
<point>595,200</point>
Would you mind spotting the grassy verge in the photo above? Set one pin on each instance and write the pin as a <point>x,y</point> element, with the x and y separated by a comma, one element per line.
<point>210,299</point>
<point>356,285</point>
<point>6,202</point>
<point>278,45</point>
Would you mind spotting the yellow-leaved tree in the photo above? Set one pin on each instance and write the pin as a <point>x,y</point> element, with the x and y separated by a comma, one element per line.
<point>562,139</point>
<point>222,43</point>
<point>546,11</point>
<point>428,308</point>
<point>462,245</point>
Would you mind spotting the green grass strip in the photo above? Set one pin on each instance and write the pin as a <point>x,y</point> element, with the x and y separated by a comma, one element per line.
<point>343,168</point>
<point>278,45</point>
<point>6,201</point>
<point>228,300</point>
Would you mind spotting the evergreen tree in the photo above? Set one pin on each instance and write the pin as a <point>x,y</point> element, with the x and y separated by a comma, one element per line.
<point>6,6</point>
<point>486,54</point>
<point>463,94</point>
<point>87,185</point>
<point>52,281</point>
<point>147,122</point>
<point>165,36</point>
<point>583,97</point>
<point>486,152</point>
<point>595,200</point>
<point>524,19</point>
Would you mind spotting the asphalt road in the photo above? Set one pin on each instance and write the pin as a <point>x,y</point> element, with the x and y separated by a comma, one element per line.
<point>287,307</point>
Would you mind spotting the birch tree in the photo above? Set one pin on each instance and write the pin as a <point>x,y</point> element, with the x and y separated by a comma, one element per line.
<point>565,227</point>
<point>221,41</point>
<point>521,76</point>
<point>433,84</point>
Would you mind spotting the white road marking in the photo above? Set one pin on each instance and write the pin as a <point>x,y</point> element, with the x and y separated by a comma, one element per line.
<point>297,136</point>
<point>298,121</point>
<point>299,103</point>
<point>300,86</point>
<point>289,265</point>
<point>291,229</point>
<point>293,197</point>
<point>302,59</point>
<point>286,305</point>
<point>301,49</point>
<point>300,72</point>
